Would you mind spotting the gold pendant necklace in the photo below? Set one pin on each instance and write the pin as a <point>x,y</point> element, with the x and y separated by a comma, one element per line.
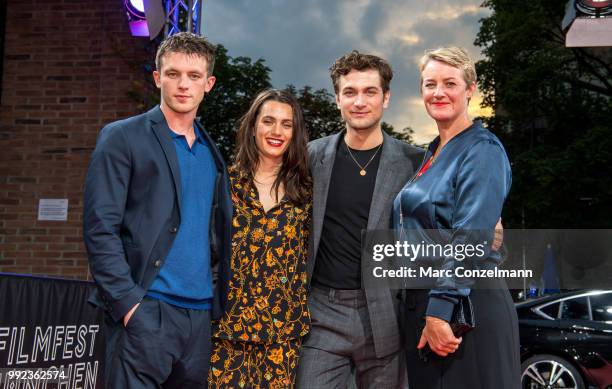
<point>362,171</point>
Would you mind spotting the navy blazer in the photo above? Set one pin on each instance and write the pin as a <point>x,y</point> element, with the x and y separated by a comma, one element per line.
<point>132,212</point>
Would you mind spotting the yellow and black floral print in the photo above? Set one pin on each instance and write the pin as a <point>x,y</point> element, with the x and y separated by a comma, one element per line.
<point>267,291</point>
<point>254,365</point>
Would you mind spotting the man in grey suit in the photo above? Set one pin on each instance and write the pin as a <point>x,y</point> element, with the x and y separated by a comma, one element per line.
<point>357,174</point>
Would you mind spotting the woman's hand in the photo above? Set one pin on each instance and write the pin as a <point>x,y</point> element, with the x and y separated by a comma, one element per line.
<point>438,334</point>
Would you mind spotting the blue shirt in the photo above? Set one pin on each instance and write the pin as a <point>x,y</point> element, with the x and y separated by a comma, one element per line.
<point>185,279</point>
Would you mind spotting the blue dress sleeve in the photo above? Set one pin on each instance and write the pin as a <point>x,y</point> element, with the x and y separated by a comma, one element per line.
<point>483,182</point>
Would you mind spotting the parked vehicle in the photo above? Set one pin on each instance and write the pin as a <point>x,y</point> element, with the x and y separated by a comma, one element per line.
<point>566,340</point>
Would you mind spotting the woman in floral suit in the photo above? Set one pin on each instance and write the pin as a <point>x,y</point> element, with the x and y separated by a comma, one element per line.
<point>256,343</point>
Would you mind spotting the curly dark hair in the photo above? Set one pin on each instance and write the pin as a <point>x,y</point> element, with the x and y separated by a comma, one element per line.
<point>190,44</point>
<point>358,61</point>
<point>294,173</point>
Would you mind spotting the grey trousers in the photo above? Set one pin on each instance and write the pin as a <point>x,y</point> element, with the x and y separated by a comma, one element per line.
<point>340,346</point>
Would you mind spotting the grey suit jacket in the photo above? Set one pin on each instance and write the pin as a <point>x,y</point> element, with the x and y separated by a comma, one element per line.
<point>398,161</point>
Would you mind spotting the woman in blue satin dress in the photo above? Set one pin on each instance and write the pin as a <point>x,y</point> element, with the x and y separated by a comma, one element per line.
<point>461,185</point>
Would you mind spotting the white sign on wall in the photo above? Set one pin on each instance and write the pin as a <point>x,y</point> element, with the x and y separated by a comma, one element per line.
<point>53,209</point>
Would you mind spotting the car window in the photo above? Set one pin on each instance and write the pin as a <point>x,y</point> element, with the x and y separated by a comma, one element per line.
<point>577,308</point>
<point>601,305</point>
<point>551,310</point>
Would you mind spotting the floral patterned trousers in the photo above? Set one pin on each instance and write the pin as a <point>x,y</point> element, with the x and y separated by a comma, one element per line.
<point>238,364</point>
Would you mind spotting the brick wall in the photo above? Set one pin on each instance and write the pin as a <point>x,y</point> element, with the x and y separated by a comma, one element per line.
<point>68,67</point>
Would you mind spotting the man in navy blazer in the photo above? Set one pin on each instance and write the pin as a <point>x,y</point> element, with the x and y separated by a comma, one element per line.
<point>156,216</point>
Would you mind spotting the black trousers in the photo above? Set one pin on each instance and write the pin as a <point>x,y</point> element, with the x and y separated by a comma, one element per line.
<point>162,346</point>
<point>488,356</point>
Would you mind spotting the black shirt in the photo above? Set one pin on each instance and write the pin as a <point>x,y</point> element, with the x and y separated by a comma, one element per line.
<point>338,262</point>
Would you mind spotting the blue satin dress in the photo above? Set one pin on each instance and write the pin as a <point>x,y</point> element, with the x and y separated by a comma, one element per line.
<point>463,189</point>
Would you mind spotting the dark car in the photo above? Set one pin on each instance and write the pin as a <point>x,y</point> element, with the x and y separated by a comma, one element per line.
<point>566,340</point>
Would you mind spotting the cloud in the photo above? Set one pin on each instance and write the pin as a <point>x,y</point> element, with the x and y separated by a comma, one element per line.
<point>410,110</point>
<point>300,40</point>
<point>451,12</point>
<point>476,110</point>
<point>410,39</point>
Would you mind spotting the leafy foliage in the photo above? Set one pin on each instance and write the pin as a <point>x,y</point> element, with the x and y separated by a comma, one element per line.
<point>239,79</point>
<point>552,111</point>
<point>323,118</point>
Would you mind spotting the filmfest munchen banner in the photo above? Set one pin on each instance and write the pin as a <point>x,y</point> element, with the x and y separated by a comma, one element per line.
<point>50,337</point>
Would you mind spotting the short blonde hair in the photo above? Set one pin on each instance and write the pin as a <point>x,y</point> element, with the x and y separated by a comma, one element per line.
<point>453,56</point>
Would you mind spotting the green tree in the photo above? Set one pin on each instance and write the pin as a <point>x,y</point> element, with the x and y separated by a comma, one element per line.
<point>239,79</point>
<point>405,134</point>
<point>552,109</point>
<point>323,117</point>
<point>320,112</point>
